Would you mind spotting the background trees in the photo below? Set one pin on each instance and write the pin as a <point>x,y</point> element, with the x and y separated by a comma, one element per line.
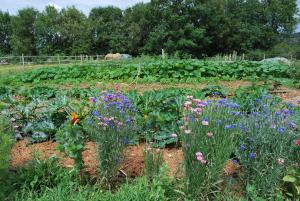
<point>187,28</point>
<point>5,33</point>
<point>23,37</point>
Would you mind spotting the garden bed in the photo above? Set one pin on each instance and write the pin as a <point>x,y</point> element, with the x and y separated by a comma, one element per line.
<point>133,164</point>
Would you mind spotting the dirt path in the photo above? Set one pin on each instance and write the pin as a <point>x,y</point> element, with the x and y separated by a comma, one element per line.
<point>132,165</point>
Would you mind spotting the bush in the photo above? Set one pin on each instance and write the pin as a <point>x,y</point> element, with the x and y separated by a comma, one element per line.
<point>208,137</point>
<point>34,178</point>
<point>113,124</point>
<point>266,145</point>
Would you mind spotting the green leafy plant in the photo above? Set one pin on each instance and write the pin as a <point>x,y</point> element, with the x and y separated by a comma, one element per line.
<point>208,140</point>
<point>71,142</point>
<point>5,142</point>
<point>113,124</point>
<point>161,111</point>
<point>72,136</point>
<point>292,182</point>
<point>266,145</point>
<point>215,91</point>
<point>153,160</point>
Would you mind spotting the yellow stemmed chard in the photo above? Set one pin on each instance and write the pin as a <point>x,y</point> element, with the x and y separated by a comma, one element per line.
<point>74,118</point>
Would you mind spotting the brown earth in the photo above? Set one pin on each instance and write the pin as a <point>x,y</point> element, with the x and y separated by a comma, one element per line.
<point>132,165</point>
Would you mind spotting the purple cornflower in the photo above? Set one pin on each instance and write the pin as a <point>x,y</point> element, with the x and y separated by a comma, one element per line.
<point>228,127</point>
<point>243,147</point>
<point>95,113</point>
<point>281,130</point>
<point>222,101</point>
<point>252,155</point>
<point>234,161</point>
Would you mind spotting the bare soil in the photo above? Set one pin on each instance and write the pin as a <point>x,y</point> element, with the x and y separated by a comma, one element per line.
<point>132,165</point>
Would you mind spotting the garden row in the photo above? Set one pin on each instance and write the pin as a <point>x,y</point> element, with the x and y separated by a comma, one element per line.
<point>162,71</point>
<point>255,130</point>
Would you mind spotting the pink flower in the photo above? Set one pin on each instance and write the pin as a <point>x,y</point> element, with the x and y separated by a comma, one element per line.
<point>186,118</point>
<point>158,150</point>
<point>197,100</point>
<point>203,161</point>
<point>199,154</point>
<point>201,105</point>
<point>205,123</point>
<point>280,161</point>
<point>174,135</point>
<point>182,127</point>
<point>210,134</point>
<point>199,158</point>
<point>197,110</point>
<point>187,131</point>
<point>187,104</point>
<point>190,97</point>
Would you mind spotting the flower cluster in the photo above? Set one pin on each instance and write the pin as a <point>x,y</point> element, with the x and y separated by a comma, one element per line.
<point>112,110</point>
<point>199,157</point>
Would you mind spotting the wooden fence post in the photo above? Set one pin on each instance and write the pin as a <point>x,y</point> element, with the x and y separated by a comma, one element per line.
<point>23,61</point>
<point>81,58</point>
<point>163,53</point>
<point>58,59</point>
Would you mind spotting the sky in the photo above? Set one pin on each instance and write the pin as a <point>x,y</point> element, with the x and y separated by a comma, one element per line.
<point>12,6</point>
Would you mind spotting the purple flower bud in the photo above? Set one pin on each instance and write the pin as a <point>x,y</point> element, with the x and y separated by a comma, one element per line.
<point>252,156</point>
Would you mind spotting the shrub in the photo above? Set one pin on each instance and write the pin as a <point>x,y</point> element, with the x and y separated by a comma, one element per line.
<point>208,142</point>
<point>266,145</point>
<point>71,141</point>
<point>113,123</point>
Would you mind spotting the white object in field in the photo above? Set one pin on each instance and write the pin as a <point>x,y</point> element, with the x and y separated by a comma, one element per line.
<point>279,60</point>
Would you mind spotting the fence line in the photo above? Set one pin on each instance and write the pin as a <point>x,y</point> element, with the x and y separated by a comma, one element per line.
<point>45,59</point>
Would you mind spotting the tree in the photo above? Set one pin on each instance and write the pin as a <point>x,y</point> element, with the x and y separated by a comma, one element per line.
<point>74,32</point>
<point>174,30</point>
<point>23,32</point>
<point>5,32</point>
<point>108,30</point>
<point>138,26</point>
<point>48,32</point>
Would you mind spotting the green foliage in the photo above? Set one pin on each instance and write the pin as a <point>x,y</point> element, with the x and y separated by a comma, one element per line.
<point>207,146</point>
<point>292,182</point>
<point>5,142</point>
<point>71,140</point>
<point>35,177</point>
<point>251,96</point>
<point>22,40</point>
<point>161,112</point>
<point>159,71</point>
<point>112,123</point>
<point>153,160</point>
<point>37,119</point>
<point>5,33</point>
<point>107,30</point>
<point>215,91</point>
<point>138,190</point>
<point>266,145</point>
<point>183,28</point>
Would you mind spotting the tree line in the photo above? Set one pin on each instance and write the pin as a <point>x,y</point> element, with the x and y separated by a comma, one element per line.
<point>187,28</point>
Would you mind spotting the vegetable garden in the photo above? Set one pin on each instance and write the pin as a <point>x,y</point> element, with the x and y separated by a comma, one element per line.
<point>151,130</point>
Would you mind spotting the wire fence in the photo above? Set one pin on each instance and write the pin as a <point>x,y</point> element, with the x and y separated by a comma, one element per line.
<point>58,59</point>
